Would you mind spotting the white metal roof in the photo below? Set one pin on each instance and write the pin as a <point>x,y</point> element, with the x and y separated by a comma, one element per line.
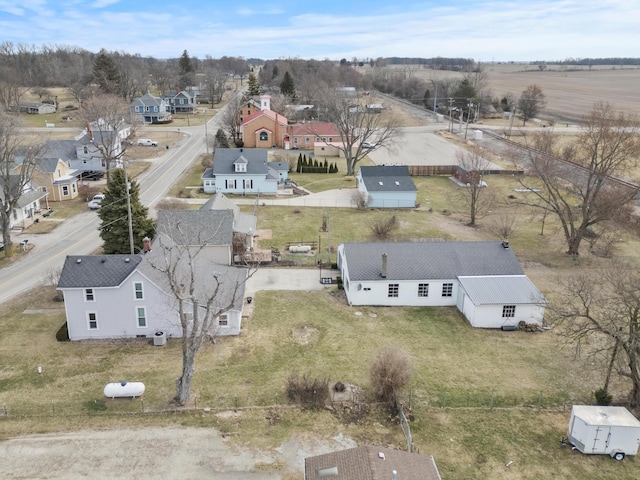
<point>495,290</point>
<point>599,415</point>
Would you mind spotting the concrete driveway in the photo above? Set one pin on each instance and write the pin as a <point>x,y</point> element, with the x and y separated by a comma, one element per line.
<point>305,279</point>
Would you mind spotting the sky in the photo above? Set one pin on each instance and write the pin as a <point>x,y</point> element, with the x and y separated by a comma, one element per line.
<point>483,30</point>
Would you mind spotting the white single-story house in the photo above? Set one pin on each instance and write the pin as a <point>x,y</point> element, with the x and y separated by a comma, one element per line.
<point>125,296</point>
<point>484,280</point>
<point>387,186</point>
<point>242,171</point>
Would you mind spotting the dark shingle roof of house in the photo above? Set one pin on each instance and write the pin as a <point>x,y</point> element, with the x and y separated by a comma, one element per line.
<point>207,274</point>
<point>93,271</point>
<point>225,158</point>
<point>385,179</point>
<point>63,149</point>
<point>197,227</point>
<point>430,260</point>
<point>371,463</point>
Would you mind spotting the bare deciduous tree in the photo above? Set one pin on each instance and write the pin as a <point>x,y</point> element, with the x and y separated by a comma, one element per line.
<point>109,122</point>
<point>13,181</point>
<point>582,191</point>
<point>531,102</point>
<point>231,116</point>
<point>361,130</point>
<point>390,371</point>
<point>605,305</point>
<point>202,290</point>
<point>472,166</point>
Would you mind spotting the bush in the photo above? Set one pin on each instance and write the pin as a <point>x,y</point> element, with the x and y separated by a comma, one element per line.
<point>381,228</point>
<point>312,394</point>
<point>603,397</point>
<point>390,371</point>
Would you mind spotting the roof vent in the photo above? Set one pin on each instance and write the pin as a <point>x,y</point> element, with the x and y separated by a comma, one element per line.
<point>78,260</point>
<point>381,455</point>
<point>103,260</point>
<point>126,260</point>
<point>383,270</point>
<point>328,472</point>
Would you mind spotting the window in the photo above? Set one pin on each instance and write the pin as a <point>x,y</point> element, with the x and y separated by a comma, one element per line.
<point>223,321</point>
<point>423,289</point>
<point>307,140</point>
<point>264,136</point>
<point>508,311</point>
<point>88,295</point>
<point>447,289</point>
<point>141,315</point>
<point>137,287</point>
<point>393,289</point>
<point>73,187</point>
<point>65,190</point>
<point>92,317</point>
<point>295,140</point>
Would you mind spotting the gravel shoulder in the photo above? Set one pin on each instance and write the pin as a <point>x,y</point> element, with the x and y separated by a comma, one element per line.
<point>152,453</point>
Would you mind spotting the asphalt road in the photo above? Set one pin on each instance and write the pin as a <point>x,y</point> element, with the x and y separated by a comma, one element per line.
<point>79,235</point>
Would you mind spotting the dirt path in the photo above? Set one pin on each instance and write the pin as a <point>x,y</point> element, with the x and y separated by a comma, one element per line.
<point>152,453</point>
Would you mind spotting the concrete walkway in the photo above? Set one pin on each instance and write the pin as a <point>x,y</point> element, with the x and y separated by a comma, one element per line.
<point>343,197</point>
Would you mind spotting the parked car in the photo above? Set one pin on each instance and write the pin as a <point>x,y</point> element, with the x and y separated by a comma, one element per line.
<point>91,175</point>
<point>369,145</point>
<point>146,142</point>
<point>96,201</point>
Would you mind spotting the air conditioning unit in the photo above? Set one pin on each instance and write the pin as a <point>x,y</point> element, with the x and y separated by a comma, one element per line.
<point>160,339</point>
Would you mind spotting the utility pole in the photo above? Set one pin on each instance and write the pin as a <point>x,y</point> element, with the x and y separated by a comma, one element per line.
<point>435,104</point>
<point>130,221</point>
<point>450,116</point>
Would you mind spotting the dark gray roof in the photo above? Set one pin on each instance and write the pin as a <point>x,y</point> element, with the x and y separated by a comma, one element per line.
<point>197,227</point>
<point>256,159</point>
<point>497,290</point>
<point>280,166</point>
<point>93,271</point>
<point>430,260</point>
<point>219,201</point>
<point>372,463</point>
<point>385,179</point>
<point>47,165</point>
<point>63,149</point>
<point>231,279</point>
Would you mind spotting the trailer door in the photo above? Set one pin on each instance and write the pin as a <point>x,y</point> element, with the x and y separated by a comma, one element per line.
<point>601,438</point>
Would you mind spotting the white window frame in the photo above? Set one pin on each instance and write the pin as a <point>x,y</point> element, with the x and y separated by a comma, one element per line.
<point>393,290</point>
<point>423,290</point>
<point>89,292</point>
<point>95,320</point>
<point>223,320</point>
<point>508,311</point>
<point>144,317</point>
<point>135,291</point>
<point>447,289</point>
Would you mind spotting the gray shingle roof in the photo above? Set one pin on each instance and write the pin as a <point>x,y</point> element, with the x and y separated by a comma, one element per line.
<point>225,158</point>
<point>63,149</point>
<point>496,290</point>
<point>232,279</point>
<point>93,271</point>
<point>197,227</point>
<point>430,260</point>
<point>388,179</point>
<point>372,463</point>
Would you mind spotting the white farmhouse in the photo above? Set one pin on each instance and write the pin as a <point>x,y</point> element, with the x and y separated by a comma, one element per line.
<point>125,296</point>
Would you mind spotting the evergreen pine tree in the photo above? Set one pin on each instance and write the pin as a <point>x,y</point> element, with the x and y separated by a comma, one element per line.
<point>222,140</point>
<point>185,63</point>
<point>287,87</point>
<point>253,86</point>
<point>299,166</point>
<point>114,228</point>
<point>106,74</point>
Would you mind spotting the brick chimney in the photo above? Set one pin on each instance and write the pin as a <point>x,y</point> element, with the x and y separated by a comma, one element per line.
<point>265,102</point>
<point>383,272</point>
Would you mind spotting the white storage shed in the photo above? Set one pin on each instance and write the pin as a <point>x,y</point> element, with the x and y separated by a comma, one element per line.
<point>595,429</point>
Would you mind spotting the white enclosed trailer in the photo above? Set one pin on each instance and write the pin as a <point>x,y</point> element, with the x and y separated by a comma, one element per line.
<point>612,431</point>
